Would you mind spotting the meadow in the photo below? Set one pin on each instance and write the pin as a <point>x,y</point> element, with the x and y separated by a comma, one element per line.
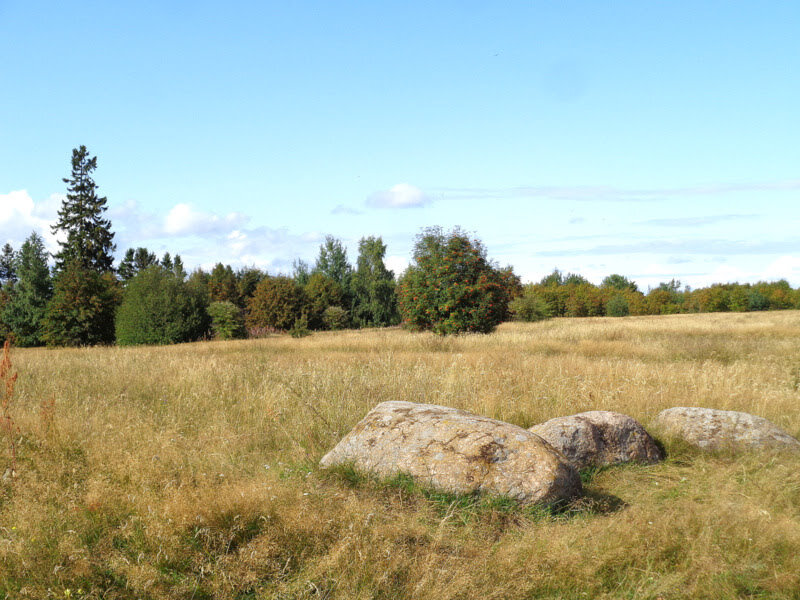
<point>190,471</point>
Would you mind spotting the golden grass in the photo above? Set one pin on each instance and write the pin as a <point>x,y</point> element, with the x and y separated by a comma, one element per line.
<point>190,471</point>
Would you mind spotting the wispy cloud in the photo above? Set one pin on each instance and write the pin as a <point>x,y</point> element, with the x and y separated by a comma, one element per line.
<point>341,209</point>
<point>402,195</point>
<point>713,247</point>
<point>613,193</point>
<point>695,221</point>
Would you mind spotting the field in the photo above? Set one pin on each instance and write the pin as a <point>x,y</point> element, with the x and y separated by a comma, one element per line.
<point>190,471</point>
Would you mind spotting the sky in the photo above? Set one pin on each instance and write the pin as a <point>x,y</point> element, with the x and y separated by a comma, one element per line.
<point>656,140</point>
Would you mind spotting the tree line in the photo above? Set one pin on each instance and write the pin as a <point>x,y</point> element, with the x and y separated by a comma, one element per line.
<point>451,286</point>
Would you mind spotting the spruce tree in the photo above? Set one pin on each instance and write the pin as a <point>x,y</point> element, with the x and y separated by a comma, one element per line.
<point>135,261</point>
<point>89,239</point>
<point>8,273</point>
<point>25,309</point>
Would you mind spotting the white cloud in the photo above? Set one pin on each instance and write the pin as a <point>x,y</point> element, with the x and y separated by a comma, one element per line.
<point>183,220</point>
<point>398,264</point>
<point>402,195</point>
<point>20,215</point>
<point>785,267</point>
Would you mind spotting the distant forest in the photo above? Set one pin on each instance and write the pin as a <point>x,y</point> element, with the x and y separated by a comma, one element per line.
<point>450,287</point>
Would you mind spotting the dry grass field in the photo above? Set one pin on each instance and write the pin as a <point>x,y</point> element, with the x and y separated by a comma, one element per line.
<point>190,471</point>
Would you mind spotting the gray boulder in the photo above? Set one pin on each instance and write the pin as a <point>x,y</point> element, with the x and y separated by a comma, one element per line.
<point>457,451</point>
<point>712,429</point>
<point>598,438</point>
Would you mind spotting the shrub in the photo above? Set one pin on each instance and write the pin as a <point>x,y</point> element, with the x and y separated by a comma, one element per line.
<point>451,286</point>
<point>159,308</point>
<point>530,306</point>
<point>277,303</point>
<point>617,306</point>
<point>300,327</point>
<point>335,318</point>
<point>227,321</point>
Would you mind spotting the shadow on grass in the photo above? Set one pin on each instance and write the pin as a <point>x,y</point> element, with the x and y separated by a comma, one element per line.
<point>475,506</point>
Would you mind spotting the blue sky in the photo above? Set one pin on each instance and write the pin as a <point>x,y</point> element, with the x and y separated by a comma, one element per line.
<point>655,140</point>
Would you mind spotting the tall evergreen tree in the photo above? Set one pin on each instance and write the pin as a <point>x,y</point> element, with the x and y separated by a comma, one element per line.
<point>332,261</point>
<point>25,309</point>
<point>89,239</point>
<point>8,272</point>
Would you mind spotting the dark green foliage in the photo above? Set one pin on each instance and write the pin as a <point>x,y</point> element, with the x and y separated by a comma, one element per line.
<point>135,260</point>
<point>300,327</point>
<point>619,282</point>
<point>617,306</point>
<point>8,272</point>
<point>25,309</point>
<point>757,301</point>
<point>321,292</point>
<point>277,303</point>
<point>198,283</point>
<point>332,261</point>
<point>160,308</point>
<point>335,318</point>
<point>227,321</point>
<point>89,237</point>
<point>373,287</point>
<point>81,312</point>
<point>247,279</point>
<point>451,287</point>
<point>222,284</point>
<point>300,271</point>
<point>530,306</point>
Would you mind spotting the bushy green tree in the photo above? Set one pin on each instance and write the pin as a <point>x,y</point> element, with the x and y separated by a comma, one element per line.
<point>227,321</point>
<point>332,261</point>
<point>222,284</point>
<point>451,286</point>
<point>277,303</point>
<point>89,239</point>
<point>26,306</point>
<point>160,308</point>
<point>617,305</point>
<point>530,306</point>
<point>247,279</point>
<point>373,287</point>
<point>81,311</point>
<point>619,282</point>
<point>321,293</point>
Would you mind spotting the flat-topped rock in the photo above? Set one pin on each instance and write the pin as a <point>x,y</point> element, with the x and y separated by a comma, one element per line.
<point>712,429</point>
<point>457,451</point>
<point>598,438</point>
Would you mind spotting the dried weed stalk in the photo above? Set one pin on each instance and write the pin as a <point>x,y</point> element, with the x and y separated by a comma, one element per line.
<point>7,424</point>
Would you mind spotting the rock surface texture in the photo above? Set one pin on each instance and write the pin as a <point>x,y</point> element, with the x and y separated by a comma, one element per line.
<point>597,438</point>
<point>712,429</point>
<point>457,451</point>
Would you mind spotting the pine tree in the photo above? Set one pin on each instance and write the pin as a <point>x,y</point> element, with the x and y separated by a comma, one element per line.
<point>89,236</point>
<point>135,261</point>
<point>25,309</point>
<point>8,273</point>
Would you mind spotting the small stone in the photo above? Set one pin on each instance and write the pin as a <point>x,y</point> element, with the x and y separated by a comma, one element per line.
<point>711,429</point>
<point>457,451</point>
<point>598,438</point>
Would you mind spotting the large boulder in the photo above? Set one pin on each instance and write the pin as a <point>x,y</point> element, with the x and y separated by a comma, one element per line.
<point>598,438</point>
<point>457,451</point>
<point>712,429</point>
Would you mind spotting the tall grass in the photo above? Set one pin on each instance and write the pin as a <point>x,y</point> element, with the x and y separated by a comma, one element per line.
<point>190,471</point>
